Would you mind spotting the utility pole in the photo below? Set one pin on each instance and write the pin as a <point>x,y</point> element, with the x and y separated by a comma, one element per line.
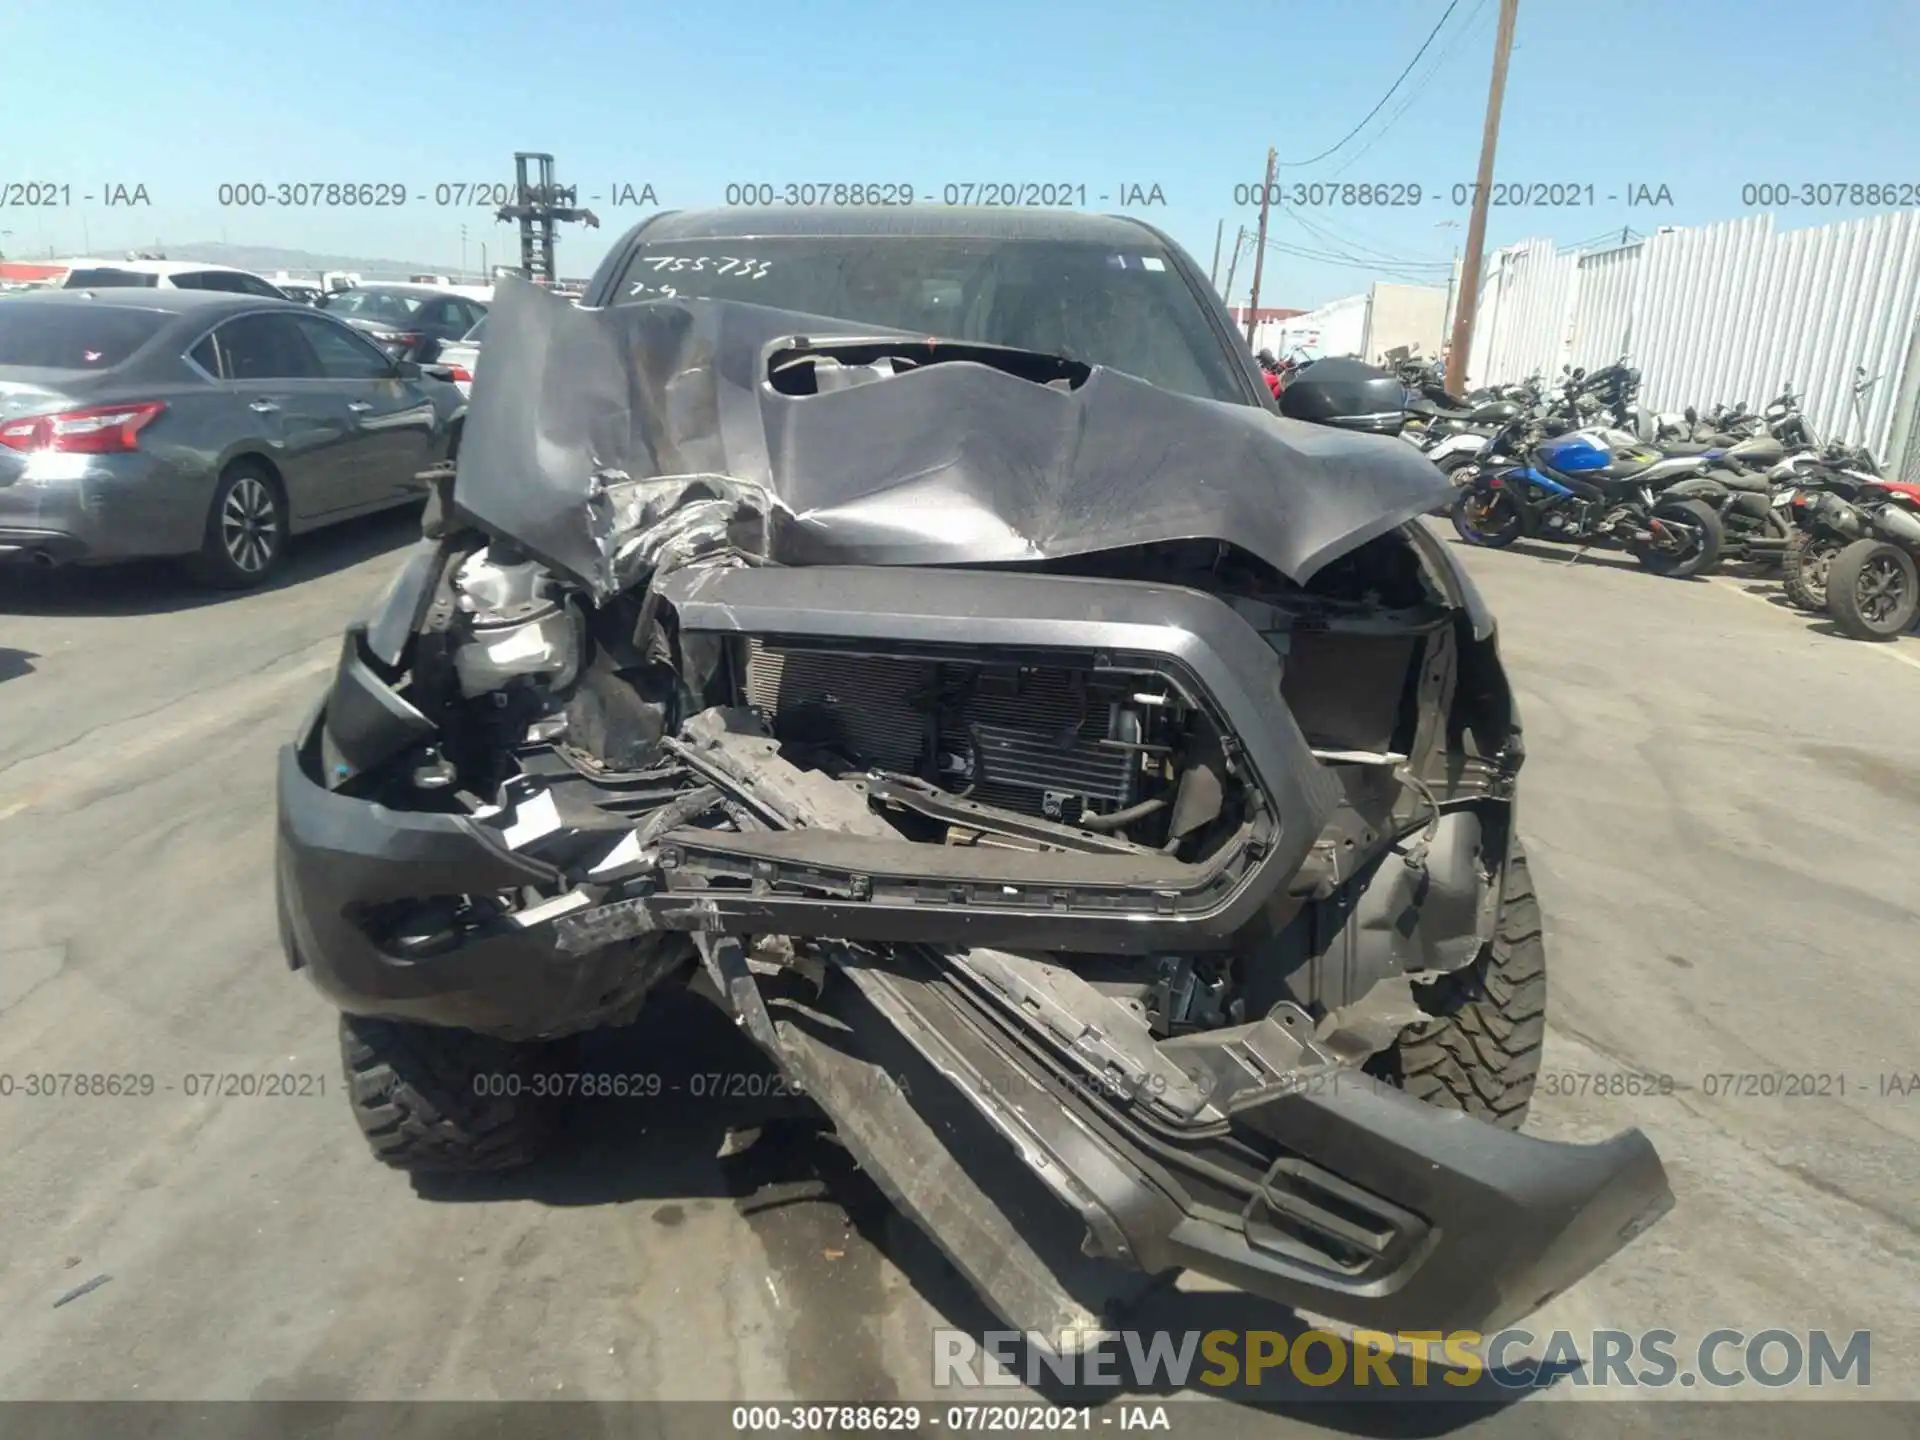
<point>1453,289</point>
<point>1239,240</point>
<point>1260,245</point>
<point>1460,350</point>
<point>1213,275</point>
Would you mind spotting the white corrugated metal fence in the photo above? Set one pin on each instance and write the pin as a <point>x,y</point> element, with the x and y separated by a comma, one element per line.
<point>1728,313</point>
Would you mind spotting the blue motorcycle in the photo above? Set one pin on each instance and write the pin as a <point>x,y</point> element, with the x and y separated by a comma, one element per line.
<point>1590,487</point>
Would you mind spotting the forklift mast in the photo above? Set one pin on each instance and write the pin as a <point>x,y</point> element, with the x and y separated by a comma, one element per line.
<point>540,204</point>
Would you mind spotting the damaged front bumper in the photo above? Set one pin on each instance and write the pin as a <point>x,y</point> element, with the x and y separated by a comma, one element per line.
<point>1058,1153</point>
<point>1245,1155</point>
<point>338,856</point>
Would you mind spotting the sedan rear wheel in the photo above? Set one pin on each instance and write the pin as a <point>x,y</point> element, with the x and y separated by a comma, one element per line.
<point>246,532</point>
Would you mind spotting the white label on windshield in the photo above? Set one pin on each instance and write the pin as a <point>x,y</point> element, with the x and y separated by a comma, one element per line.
<point>1152,262</point>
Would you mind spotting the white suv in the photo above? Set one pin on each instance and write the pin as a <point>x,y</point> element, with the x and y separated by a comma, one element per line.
<point>167,275</point>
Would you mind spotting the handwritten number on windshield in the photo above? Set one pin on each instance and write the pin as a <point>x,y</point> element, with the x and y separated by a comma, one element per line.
<point>747,269</point>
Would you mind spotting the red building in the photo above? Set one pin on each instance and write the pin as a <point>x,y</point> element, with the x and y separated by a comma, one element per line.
<point>1263,316</point>
<point>21,272</point>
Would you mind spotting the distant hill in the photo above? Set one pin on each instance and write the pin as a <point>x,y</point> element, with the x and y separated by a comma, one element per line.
<point>265,259</point>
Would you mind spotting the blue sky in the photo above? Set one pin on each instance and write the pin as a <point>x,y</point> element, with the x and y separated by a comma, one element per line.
<point>1701,96</point>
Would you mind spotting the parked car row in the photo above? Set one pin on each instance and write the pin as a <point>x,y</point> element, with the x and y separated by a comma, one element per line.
<point>168,420</point>
<point>408,321</point>
<point>167,275</point>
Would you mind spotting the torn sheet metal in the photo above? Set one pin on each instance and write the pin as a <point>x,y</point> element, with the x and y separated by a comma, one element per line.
<point>1355,1033</point>
<point>956,463</point>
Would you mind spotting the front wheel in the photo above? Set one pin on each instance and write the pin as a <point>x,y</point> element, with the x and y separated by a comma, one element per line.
<point>1481,1051</point>
<point>1804,567</point>
<point>436,1100</point>
<point>1463,472</point>
<point>1487,517</point>
<point>1872,592</point>
<point>1689,540</point>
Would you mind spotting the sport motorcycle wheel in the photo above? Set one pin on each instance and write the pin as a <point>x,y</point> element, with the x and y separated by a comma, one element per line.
<point>1699,534</point>
<point>1488,518</point>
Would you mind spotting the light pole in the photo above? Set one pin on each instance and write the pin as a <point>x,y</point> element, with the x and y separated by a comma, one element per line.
<point>1260,246</point>
<point>463,252</point>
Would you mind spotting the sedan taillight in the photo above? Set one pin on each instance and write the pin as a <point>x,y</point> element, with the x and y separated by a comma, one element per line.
<point>96,430</point>
<point>459,374</point>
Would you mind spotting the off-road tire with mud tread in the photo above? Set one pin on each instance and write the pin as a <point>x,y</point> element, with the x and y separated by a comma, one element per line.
<point>1482,1055</point>
<point>414,1093</point>
<point>1803,581</point>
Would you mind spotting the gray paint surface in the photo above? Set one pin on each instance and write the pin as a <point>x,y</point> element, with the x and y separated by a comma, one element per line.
<point>1720,806</point>
<point>935,466</point>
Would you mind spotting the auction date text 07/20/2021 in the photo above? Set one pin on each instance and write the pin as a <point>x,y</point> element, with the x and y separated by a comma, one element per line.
<point>387,193</point>
<point>62,1085</point>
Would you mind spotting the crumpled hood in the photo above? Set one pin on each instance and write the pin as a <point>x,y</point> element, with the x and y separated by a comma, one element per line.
<point>956,463</point>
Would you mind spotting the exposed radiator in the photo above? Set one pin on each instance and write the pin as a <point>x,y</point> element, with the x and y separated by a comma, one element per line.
<point>1029,740</point>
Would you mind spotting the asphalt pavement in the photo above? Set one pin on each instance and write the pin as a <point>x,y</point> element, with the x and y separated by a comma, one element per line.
<point>1722,806</point>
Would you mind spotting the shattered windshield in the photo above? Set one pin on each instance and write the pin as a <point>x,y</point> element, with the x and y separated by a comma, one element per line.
<point>1131,310</point>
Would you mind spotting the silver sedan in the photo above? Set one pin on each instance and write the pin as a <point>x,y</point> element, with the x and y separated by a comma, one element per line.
<point>202,425</point>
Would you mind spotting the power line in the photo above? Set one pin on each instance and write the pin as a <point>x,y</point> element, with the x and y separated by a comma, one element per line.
<point>1328,236</point>
<point>1355,262</point>
<point>1300,164</point>
<point>1398,262</point>
<point>1308,252</point>
<point>1439,63</point>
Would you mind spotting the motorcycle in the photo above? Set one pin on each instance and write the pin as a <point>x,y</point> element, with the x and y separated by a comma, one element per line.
<point>1451,444</point>
<point>1752,456</point>
<point>1585,488</point>
<point>1824,511</point>
<point>1465,457</point>
<point>1873,584</point>
<point>1462,447</point>
<point>1278,373</point>
<point>1434,414</point>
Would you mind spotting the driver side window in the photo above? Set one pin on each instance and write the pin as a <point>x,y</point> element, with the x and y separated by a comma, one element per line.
<point>343,355</point>
<point>264,347</point>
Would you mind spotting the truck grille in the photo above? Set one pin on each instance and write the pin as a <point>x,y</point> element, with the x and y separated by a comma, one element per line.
<point>1028,740</point>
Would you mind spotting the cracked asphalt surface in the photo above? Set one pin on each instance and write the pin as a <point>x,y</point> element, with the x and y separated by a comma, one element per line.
<point>1722,806</point>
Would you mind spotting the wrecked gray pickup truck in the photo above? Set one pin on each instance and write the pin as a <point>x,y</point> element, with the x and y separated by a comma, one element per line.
<point>1099,799</point>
